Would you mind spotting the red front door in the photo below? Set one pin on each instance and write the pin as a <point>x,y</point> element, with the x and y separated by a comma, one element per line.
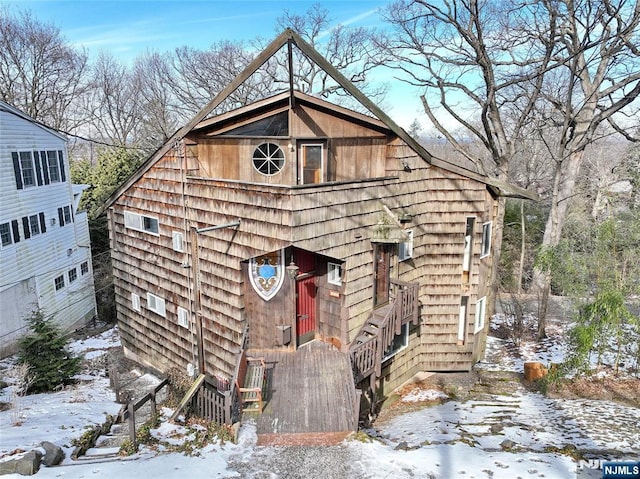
<point>305,297</point>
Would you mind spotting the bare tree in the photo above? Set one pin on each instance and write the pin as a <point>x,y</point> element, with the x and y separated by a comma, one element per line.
<point>467,57</point>
<point>495,68</point>
<point>160,116</point>
<point>113,103</point>
<point>196,76</point>
<point>598,49</point>
<point>39,73</point>
<point>350,50</point>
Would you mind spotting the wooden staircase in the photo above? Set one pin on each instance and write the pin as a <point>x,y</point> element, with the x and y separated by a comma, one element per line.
<point>379,330</point>
<point>373,325</point>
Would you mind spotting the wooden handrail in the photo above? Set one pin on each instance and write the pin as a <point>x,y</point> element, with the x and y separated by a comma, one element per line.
<point>366,357</point>
<point>129,414</point>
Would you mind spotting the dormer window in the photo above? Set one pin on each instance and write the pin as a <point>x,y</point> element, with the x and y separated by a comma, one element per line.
<point>268,159</point>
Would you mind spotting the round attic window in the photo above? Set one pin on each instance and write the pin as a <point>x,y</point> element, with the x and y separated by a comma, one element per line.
<point>268,158</point>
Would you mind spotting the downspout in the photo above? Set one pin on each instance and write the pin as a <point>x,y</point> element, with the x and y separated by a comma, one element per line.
<point>182,157</point>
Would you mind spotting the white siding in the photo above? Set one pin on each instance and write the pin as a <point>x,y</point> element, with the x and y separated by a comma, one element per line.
<point>40,258</point>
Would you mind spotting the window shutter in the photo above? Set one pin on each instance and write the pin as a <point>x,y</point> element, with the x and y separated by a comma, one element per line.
<point>16,169</point>
<point>61,162</point>
<point>43,224</point>
<point>61,216</point>
<point>71,209</point>
<point>36,159</point>
<point>45,167</point>
<point>25,227</point>
<point>16,231</point>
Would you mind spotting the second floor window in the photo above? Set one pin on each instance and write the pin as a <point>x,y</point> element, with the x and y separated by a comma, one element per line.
<point>27,168</point>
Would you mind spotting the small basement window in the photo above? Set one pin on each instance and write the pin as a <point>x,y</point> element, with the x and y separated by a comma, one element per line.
<point>400,342</point>
<point>147,224</point>
<point>183,317</point>
<point>334,274</point>
<point>268,159</point>
<point>405,249</point>
<point>156,304</point>
<point>135,302</point>
<point>178,241</point>
<point>481,309</point>
<point>485,249</point>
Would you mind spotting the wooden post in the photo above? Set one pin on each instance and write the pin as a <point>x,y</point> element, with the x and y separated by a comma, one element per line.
<point>132,425</point>
<point>228,407</point>
<point>114,381</point>
<point>154,412</point>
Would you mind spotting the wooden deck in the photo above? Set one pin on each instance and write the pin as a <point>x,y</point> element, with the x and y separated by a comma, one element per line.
<point>310,397</point>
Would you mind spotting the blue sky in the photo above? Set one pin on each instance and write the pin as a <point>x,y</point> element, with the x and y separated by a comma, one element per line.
<point>128,28</point>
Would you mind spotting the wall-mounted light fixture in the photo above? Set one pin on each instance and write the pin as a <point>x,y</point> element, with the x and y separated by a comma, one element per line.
<point>292,270</point>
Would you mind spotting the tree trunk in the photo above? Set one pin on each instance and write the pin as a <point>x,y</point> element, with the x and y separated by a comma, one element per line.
<point>523,245</point>
<point>563,187</point>
<point>496,249</point>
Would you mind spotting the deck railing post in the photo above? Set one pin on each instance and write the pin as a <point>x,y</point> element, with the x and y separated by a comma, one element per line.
<point>154,412</point>
<point>132,425</point>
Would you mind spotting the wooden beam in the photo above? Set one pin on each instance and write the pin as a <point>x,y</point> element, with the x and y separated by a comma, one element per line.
<point>188,396</point>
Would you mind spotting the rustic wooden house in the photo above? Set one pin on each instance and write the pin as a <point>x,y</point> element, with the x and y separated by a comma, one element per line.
<point>293,222</point>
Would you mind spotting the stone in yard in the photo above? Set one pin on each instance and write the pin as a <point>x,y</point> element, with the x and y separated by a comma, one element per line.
<point>53,454</point>
<point>507,444</point>
<point>26,465</point>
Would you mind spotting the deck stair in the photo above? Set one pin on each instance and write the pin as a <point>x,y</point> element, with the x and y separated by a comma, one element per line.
<point>379,330</point>
<point>372,327</point>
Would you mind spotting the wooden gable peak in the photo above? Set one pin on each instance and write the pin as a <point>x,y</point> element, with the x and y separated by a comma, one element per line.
<point>289,37</point>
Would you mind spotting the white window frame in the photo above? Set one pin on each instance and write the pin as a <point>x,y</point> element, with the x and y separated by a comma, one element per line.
<point>405,249</point>
<point>136,221</point>
<point>468,244</point>
<point>33,169</point>
<point>462,320</point>
<point>183,317</point>
<point>135,302</point>
<point>485,249</point>
<point>301,156</point>
<point>177,240</point>
<point>481,311</point>
<point>56,166</point>
<point>405,343</point>
<point>334,273</point>
<point>62,282</point>
<point>156,304</point>
<point>34,225</point>
<point>84,268</point>
<point>9,232</point>
<point>72,274</point>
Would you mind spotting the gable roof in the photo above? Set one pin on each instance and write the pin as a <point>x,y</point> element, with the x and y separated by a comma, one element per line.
<point>14,111</point>
<point>291,37</point>
<point>274,101</point>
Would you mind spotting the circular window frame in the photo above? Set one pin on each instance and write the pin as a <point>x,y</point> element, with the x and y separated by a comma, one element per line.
<point>264,154</point>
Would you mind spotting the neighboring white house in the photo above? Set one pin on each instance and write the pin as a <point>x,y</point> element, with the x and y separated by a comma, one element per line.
<point>45,256</point>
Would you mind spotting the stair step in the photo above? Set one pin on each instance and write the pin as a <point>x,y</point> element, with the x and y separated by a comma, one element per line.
<point>377,321</point>
<point>370,329</point>
<point>110,441</point>
<point>100,452</point>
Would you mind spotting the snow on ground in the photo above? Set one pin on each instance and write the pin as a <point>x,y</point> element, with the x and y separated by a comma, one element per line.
<point>515,435</point>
